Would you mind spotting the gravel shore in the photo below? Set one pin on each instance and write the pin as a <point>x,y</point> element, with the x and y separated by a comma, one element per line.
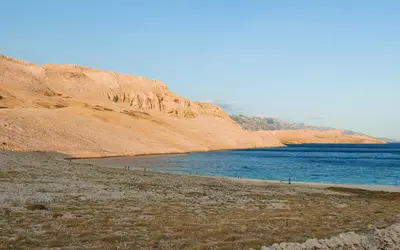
<point>48,202</point>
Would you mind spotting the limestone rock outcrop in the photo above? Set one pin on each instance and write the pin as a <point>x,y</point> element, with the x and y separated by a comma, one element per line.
<point>387,238</point>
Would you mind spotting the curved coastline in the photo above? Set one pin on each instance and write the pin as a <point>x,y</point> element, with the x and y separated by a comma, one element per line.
<point>383,188</point>
<point>213,150</point>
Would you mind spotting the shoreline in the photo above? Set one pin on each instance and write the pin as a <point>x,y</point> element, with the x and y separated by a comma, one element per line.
<point>383,188</point>
<point>213,150</point>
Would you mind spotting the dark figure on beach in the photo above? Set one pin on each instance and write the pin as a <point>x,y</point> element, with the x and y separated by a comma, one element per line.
<point>290,181</point>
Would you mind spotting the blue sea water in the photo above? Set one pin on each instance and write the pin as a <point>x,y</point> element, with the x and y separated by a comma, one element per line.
<point>322,163</point>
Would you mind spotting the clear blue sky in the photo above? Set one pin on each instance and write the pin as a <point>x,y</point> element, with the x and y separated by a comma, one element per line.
<point>333,63</point>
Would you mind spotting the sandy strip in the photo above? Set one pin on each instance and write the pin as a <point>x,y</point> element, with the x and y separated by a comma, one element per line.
<point>385,188</point>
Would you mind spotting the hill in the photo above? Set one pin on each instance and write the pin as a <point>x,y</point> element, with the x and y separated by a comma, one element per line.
<point>86,112</point>
<point>257,123</point>
<point>389,140</point>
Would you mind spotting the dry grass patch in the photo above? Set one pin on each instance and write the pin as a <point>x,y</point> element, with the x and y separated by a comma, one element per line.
<point>8,174</point>
<point>135,113</point>
<point>35,207</point>
<point>101,108</point>
<point>143,115</point>
<point>55,105</point>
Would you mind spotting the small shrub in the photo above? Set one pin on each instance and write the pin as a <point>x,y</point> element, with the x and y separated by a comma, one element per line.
<point>33,207</point>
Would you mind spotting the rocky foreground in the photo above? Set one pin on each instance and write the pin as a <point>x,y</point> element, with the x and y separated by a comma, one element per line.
<point>86,112</point>
<point>388,238</point>
<point>47,202</point>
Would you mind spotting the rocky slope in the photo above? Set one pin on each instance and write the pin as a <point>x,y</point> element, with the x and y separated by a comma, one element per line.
<point>387,238</point>
<point>291,132</point>
<point>87,112</point>
<point>257,123</point>
<point>389,140</point>
<point>59,82</point>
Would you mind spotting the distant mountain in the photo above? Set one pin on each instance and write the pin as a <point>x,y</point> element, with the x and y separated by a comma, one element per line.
<point>256,123</point>
<point>388,140</point>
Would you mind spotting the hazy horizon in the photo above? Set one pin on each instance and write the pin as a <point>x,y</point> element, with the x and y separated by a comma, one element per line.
<point>322,63</point>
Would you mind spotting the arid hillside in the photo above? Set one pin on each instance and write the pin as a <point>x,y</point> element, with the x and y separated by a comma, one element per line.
<point>312,136</point>
<point>87,112</point>
<point>294,133</point>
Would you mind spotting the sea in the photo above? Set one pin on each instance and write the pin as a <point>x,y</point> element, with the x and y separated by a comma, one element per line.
<point>372,164</point>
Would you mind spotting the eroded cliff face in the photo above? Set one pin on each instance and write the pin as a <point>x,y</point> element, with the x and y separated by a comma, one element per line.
<point>165,102</point>
<point>88,84</point>
<point>22,80</point>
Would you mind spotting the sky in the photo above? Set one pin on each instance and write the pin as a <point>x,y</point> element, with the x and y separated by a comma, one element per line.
<point>332,63</point>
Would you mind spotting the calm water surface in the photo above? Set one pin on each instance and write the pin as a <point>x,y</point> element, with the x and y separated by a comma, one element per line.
<point>324,163</point>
